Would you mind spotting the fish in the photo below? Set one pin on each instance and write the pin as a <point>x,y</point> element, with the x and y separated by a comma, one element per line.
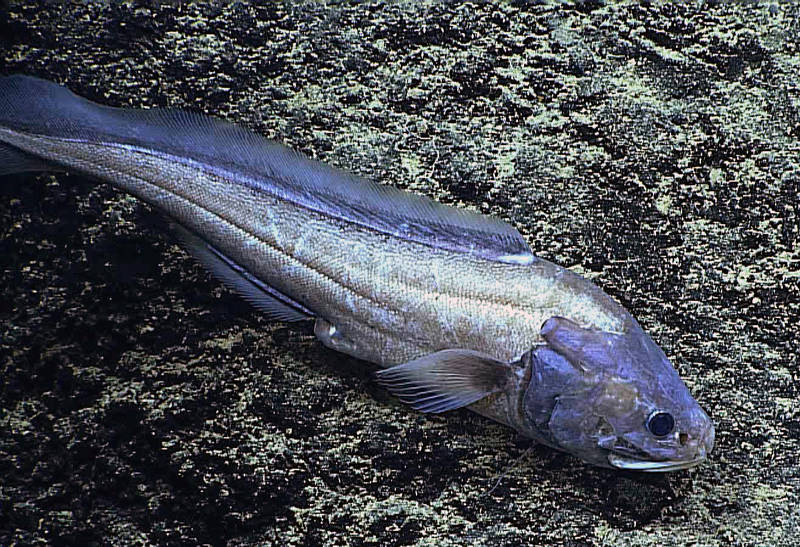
<point>451,305</point>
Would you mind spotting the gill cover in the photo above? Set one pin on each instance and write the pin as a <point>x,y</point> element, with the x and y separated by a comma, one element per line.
<point>613,400</point>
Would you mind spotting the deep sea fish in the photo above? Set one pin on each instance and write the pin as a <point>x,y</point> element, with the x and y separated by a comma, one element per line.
<point>452,305</point>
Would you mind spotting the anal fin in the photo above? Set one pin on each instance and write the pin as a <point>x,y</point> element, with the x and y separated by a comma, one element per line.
<point>276,305</point>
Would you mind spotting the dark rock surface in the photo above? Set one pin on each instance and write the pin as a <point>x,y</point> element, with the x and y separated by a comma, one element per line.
<point>653,148</point>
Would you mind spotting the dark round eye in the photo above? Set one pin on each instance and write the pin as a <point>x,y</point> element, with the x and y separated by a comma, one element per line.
<point>660,423</point>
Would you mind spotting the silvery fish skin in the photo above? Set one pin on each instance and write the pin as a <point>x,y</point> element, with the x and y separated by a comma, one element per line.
<point>450,304</point>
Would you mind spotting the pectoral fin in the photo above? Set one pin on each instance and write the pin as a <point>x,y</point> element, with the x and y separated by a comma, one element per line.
<point>446,380</point>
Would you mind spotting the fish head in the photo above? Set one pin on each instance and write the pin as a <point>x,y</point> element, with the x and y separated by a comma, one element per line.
<point>613,400</point>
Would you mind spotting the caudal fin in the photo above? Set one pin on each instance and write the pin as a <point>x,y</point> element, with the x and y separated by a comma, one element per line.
<point>32,105</point>
<point>15,161</point>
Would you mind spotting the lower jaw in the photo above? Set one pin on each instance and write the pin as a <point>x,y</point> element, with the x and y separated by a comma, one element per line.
<point>645,466</point>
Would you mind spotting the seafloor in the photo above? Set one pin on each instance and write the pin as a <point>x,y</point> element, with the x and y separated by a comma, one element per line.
<point>652,147</point>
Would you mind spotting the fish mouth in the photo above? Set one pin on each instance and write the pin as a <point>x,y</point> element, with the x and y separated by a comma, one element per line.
<point>649,466</point>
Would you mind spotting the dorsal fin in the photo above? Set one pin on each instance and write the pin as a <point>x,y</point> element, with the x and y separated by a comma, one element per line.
<point>42,107</point>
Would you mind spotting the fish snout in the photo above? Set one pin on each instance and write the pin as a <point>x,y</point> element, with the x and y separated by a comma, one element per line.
<point>707,444</point>
<point>701,441</point>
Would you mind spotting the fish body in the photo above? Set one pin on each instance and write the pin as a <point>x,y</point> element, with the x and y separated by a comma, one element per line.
<point>453,305</point>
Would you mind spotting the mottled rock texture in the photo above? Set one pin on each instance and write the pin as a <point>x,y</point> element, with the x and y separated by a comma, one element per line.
<point>652,147</point>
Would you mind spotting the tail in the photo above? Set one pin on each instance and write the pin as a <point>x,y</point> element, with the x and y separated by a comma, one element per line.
<point>32,105</point>
<point>15,161</point>
<point>40,107</point>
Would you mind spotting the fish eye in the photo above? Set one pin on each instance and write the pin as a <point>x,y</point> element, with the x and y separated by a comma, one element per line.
<point>660,423</point>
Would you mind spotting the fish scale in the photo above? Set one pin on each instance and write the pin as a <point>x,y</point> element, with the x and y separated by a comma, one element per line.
<point>387,298</point>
